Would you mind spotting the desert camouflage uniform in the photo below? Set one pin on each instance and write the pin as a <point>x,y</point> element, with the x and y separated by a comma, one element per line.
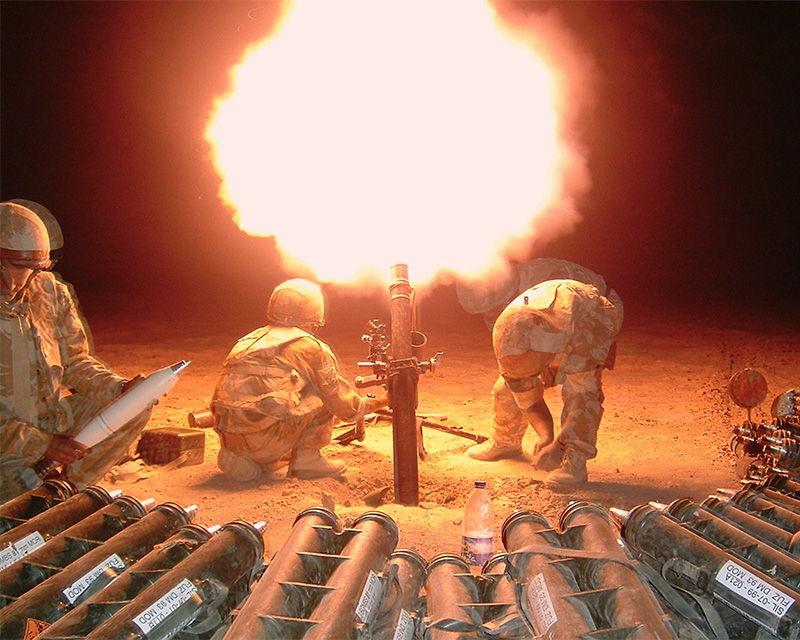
<point>585,323</point>
<point>532,272</point>
<point>50,383</point>
<point>279,390</point>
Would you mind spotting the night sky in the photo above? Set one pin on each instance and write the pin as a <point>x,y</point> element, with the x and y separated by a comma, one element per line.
<point>692,142</point>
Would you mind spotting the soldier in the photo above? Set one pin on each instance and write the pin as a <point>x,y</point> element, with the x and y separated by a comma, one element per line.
<point>50,383</point>
<point>489,295</point>
<point>556,332</point>
<point>279,391</point>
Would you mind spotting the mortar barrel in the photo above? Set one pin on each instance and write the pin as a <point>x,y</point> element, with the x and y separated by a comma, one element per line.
<point>549,584</point>
<point>450,592</point>
<point>31,503</point>
<point>634,604</point>
<point>199,591</point>
<point>69,545</point>
<point>32,534</point>
<point>354,589</point>
<point>404,572</point>
<point>52,598</point>
<point>754,525</point>
<point>104,603</point>
<point>684,556</point>
<point>752,501</point>
<point>310,534</point>
<point>784,484</point>
<point>761,555</point>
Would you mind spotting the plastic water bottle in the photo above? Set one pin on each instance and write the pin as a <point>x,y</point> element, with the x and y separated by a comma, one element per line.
<point>477,533</point>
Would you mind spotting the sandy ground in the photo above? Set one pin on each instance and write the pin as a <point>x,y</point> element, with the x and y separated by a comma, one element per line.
<point>665,433</point>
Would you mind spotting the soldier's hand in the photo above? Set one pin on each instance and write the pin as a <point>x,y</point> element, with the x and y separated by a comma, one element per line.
<point>378,402</point>
<point>547,455</point>
<point>130,384</point>
<point>65,450</point>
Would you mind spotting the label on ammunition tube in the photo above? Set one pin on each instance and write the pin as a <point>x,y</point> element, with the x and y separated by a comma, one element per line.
<point>544,615</point>
<point>405,626</point>
<point>167,604</point>
<point>74,591</point>
<point>749,586</point>
<point>21,548</point>
<point>8,556</point>
<point>370,597</point>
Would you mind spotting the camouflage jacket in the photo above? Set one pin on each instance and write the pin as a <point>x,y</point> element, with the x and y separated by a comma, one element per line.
<point>277,372</point>
<point>46,353</point>
<point>565,317</point>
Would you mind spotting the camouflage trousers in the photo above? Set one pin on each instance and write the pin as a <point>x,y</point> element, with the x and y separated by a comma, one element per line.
<point>77,412</point>
<point>582,395</point>
<point>240,434</point>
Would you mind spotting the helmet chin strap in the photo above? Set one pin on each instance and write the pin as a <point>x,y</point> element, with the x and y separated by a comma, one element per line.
<point>21,291</point>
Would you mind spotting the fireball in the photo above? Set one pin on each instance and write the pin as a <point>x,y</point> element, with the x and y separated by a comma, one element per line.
<point>366,133</point>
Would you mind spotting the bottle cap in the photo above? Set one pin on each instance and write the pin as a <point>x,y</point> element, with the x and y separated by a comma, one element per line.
<point>480,484</point>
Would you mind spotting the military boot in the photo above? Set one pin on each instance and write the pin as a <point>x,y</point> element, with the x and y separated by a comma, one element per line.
<point>571,473</point>
<point>490,450</point>
<point>310,463</point>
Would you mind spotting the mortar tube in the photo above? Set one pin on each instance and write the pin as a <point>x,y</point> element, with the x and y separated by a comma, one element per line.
<point>268,598</point>
<point>36,531</point>
<point>781,499</point>
<point>69,545</point>
<point>403,390</point>
<point>763,556</point>
<point>752,502</point>
<point>757,527</point>
<point>502,590</point>
<point>51,599</point>
<point>401,597</point>
<point>126,586</point>
<point>500,600</point>
<point>783,484</point>
<point>33,502</point>
<point>660,540</point>
<point>353,588</point>
<point>546,604</point>
<point>634,605</point>
<point>230,558</point>
<point>450,589</point>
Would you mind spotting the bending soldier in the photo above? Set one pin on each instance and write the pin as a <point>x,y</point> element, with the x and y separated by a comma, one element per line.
<point>557,332</point>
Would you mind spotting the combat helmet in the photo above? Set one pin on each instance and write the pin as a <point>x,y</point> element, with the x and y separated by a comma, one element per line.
<point>297,303</point>
<point>496,287</point>
<point>53,228</point>
<point>23,238</point>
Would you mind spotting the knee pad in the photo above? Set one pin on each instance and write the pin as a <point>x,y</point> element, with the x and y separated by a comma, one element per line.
<point>239,468</point>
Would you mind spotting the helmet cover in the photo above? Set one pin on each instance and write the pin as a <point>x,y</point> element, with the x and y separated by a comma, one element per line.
<point>53,228</point>
<point>298,303</point>
<point>23,236</point>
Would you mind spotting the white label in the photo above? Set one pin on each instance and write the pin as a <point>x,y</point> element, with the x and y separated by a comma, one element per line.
<point>750,586</point>
<point>156,613</point>
<point>29,543</point>
<point>21,548</point>
<point>370,597</point>
<point>405,626</point>
<point>544,615</point>
<point>477,548</point>
<point>74,591</point>
<point>8,556</point>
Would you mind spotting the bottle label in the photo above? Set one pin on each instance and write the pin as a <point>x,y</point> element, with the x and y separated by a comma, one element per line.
<point>477,548</point>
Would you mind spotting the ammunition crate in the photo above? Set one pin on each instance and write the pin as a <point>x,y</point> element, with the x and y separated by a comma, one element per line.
<point>160,446</point>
